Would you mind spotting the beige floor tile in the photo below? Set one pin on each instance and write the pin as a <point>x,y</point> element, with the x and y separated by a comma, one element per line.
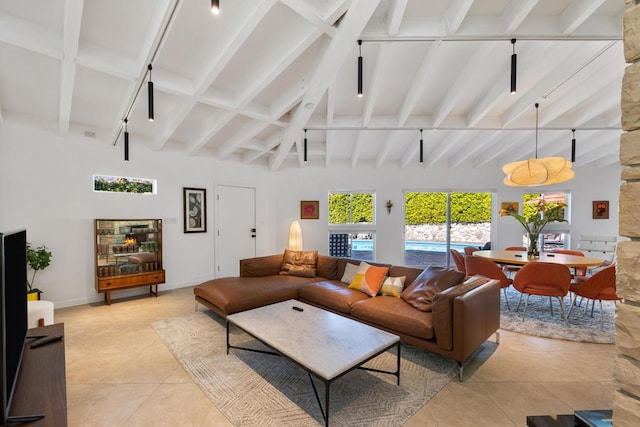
<point>108,405</point>
<point>175,405</point>
<point>583,395</point>
<point>460,405</point>
<point>519,399</point>
<point>119,373</point>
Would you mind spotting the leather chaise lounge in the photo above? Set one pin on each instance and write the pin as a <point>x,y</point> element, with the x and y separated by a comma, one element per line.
<point>460,316</point>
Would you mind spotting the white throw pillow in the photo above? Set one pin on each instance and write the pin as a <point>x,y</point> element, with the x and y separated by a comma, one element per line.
<point>350,271</point>
<point>392,286</point>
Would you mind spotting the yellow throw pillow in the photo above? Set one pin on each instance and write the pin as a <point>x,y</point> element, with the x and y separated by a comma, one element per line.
<point>392,286</point>
<point>370,280</point>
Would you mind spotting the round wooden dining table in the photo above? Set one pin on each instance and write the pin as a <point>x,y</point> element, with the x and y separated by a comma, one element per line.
<point>521,258</point>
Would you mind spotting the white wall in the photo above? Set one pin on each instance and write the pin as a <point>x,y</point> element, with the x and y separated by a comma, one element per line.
<point>312,183</point>
<point>46,187</point>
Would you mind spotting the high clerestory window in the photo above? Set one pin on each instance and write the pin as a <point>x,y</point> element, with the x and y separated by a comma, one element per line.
<point>123,184</point>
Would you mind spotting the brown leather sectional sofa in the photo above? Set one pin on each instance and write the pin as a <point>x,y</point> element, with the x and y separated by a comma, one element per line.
<point>462,316</point>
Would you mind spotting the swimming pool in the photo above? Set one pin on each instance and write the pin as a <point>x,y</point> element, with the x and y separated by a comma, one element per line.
<point>412,245</point>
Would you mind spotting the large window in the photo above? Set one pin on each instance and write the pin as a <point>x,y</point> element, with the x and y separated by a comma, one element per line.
<point>352,225</point>
<point>555,235</point>
<point>436,222</point>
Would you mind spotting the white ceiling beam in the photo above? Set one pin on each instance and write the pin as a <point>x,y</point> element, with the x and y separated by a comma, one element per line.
<point>548,79</point>
<point>216,66</point>
<point>500,90</point>
<point>419,82</point>
<point>456,12</point>
<point>578,12</point>
<point>372,90</point>
<point>413,150</point>
<point>395,14</point>
<point>504,142</point>
<point>465,79</point>
<point>107,61</point>
<point>70,38</point>
<point>331,103</point>
<point>252,155</point>
<point>482,142</point>
<point>27,35</point>
<point>447,146</point>
<point>302,8</point>
<point>330,137</point>
<point>597,75</point>
<point>357,148</point>
<point>152,38</point>
<point>250,93</point>
<point>324,73</point>
<point>600,103</point>
<point>390,141</point>
<point>515,13</point>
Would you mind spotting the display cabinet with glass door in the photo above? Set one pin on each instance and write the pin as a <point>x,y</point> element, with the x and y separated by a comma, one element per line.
<point>128,254</point>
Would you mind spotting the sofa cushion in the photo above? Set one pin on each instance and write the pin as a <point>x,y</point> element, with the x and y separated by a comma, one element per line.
<point>410,273</point>
<point>350,271</point>
<point>333,295</point>
<point>392,286</point>
<point>370,280</point>
<point>432,280</point>
<point>395,314</point>
<point>299,263</point>
<point>234,294</point>
<point>327,267</point>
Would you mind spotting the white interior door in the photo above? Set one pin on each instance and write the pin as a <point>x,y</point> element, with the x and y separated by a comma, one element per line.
<point>236,228</point>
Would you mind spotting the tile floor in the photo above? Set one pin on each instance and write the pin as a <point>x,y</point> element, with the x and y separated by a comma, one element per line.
<point>120,374</point>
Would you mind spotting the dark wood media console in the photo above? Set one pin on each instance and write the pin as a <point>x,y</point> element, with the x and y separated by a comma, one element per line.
<point>41,387</point>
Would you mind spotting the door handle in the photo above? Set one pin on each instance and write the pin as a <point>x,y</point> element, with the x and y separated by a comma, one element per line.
<point>253,232</point>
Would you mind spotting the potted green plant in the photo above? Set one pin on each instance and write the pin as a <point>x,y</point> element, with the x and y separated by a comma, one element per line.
<point>37,259</point>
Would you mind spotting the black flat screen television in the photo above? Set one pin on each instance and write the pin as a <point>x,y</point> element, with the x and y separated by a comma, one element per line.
<point>13,312</point>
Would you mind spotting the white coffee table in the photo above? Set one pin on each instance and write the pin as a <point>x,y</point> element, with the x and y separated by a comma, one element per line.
<point>325,344</point>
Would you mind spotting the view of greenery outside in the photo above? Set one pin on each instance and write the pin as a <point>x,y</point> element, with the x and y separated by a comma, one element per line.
<point>119,184</point>
<point>350,208</point>
<point>552,199</point>
<point>431,208</point>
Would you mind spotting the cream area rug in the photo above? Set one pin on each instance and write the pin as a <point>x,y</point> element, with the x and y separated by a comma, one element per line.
<point>254,389</point>
<point>539,321</point>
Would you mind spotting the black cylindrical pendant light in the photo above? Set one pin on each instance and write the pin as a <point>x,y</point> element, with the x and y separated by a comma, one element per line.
<point>421,148</point>
<point>126,141</point>
<point>305,146</point>
<point>215,7</point>
<point>150,93</point>
<point>360,68</point>
<point>514,65</point>
<point>573,146</point>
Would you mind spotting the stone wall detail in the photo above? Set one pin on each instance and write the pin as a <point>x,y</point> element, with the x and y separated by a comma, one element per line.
<point>626,402</point>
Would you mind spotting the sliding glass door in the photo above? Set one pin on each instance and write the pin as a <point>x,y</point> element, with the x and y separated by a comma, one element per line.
<point>438,221</point>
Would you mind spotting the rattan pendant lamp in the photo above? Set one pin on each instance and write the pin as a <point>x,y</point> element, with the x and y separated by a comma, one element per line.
<point>534,171</point>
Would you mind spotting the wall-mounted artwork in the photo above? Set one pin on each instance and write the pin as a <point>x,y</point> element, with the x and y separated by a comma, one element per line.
<point>195,214</point>
<point>510,207</point>
<point>309,209</point>
<point>600,209</point>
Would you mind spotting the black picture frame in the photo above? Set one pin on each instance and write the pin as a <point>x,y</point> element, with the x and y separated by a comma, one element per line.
<point>194,201</point>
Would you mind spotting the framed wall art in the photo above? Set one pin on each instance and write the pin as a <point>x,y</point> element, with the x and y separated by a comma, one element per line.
<point>600,209</point>
<point>195,210</point>
<point>309,209</point>
<point>510,207</point>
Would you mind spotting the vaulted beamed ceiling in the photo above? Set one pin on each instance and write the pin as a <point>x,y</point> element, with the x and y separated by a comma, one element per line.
<point>242,86</point>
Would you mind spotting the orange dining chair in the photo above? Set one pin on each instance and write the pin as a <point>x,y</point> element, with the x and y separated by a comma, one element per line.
<point>578,272</point>
<point>512,269</point>
<point>469,250</point>
<point>600,286</point>
<point>543,279</point>
<point>476,265</point>
<point>458,258</point>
